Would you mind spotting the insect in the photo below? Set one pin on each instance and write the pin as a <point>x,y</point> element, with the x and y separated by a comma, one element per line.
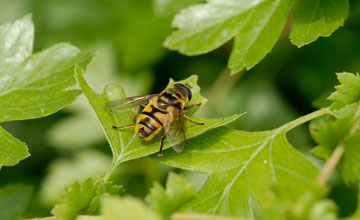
<point>164,110</point>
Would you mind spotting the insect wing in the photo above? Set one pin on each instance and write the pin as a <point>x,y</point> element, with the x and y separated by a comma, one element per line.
<point>176,133</point>
<point>128,102</point>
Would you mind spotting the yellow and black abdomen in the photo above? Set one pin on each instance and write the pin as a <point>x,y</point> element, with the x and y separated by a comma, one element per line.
<point>156,113</point>
<point>150,122</point>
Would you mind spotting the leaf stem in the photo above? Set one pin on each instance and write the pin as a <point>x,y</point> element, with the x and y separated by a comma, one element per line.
<point>338,152</point>
<point>109,171</point>
<point>306,118</point>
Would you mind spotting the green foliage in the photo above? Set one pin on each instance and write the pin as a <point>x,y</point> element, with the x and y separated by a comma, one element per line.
<point>13,201</point>
<point>116,208</point>
<point>32,85</point>
<point>255,25</point>
<point>83,198</point>
<point>63,172</point>
<point>123,144</point>
<point>313,19</point>
<point>167,201</point>
<point>341,131</point>
<point>251,175</point>
<point>242,166</point>
<point>278,204</point>
<point>347,92</point>
<point>205,27</point>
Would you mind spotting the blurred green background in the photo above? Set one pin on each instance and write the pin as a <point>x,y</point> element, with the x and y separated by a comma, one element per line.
<point>128,37</point>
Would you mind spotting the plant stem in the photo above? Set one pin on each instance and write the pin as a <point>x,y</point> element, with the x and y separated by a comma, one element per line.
<point>338,152</point>
<point>330,164</point>
<point>109,171</point>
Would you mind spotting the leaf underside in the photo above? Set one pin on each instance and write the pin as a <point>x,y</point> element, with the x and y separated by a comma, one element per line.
<point>242,166</point>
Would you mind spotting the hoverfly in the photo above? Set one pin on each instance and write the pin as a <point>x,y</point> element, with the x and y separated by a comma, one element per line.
<point>162,110</point>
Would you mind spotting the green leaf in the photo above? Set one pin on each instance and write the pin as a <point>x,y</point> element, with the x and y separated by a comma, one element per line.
<point>313,19</point>
<point>12,150</point>
<point>32,86</point>
<point>310,205</point>
<point>256,26</point>
<point>347,92</point>
<point>356,215</point>
<point>343,132</point>
<point>177,193</point>
<point>62,172</point>
<point>14,200</point>
<point>242,166</point>
<point>83,198</point>
<point>116,208</point>
<point>123,143</point>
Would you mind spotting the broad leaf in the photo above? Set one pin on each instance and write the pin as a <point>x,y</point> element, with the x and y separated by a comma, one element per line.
<point>32,86</point>
<point>83,198</point>
<point>167,201</point>
<point>13,201</point>
<point>124,145</point>
<point>116,208</point>
<point>242,166</point>
<point>347,92</point>
<point>256,26</point>
<point>313,19</point>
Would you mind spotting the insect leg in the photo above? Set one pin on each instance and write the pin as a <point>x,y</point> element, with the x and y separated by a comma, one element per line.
<point>122,127</point>
<point>190,106</point>
<point>188,118</point>
<point>162,141</point>
<point>137,112</point>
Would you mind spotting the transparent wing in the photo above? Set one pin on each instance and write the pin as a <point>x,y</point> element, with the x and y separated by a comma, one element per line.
<point>176,133</point>
<point>129,102</point>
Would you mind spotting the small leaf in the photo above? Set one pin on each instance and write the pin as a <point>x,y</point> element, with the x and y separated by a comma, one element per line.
<point>124,145</point>
<point>177,193</point>
<point>83,198</point>
<point>205,27</point>
<point>12,150</point>
<point>242,166</point>
<point>14,200</point>
<point>313,19</point>
<point>347,92</point>
<point>62,172</point>
<point>116,208</point>
<point>332,133</point>
<point>32,86</point>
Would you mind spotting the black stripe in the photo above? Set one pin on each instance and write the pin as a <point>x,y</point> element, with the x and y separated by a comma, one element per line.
<point>170,97</point>
<point>153,117</point>
<point>155,109</point>
<point>148,124</point>
<point>178,95</point>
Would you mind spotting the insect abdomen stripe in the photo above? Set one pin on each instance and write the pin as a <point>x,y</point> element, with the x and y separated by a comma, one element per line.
<point>169,96</point>
<point>153,117</point>
<point>148,124</point>
<point>156,109</point>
